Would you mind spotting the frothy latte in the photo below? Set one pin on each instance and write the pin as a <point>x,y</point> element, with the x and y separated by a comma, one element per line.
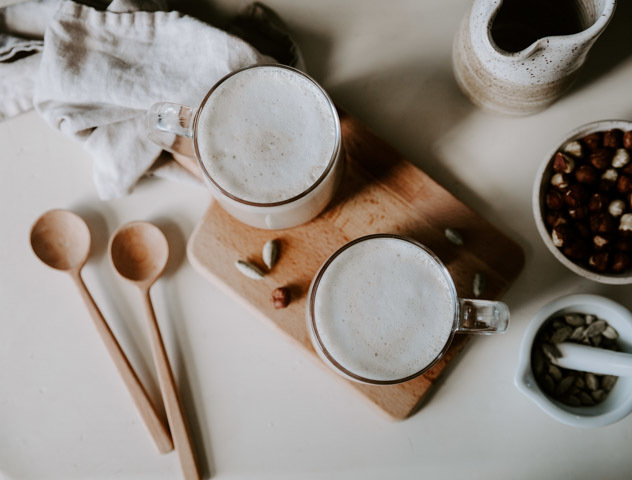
<point>384,309</point>
<point>266,134</point>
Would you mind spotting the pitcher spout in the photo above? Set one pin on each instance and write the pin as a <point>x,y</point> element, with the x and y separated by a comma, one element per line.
<point>518,29</point>
<point>518,57</point>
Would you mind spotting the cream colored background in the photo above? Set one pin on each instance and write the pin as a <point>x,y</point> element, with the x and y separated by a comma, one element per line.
<point>261,408</point>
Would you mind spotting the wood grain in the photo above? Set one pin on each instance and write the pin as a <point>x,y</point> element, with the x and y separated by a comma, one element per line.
<point>61,239</point>
<point>381,192</point>
<point>139,252</point>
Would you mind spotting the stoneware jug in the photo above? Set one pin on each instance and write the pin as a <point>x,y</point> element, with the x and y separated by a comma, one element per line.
<point>516,57</point>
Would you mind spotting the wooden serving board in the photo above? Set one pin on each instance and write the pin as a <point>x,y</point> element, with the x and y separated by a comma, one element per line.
<point>381,192</point>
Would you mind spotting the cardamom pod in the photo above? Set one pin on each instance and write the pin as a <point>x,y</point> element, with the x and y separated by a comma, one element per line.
<point>610,333</point>
<point>574,320</point>
<point>555,372</point>
<point>564,385</point>
<point>608,381</point>
<point>270,253</point>
<point>249,270</point>
<point>577,334</point>
<point>453,236</point>
<point>562,334</point>
<point>591,381</point>
<point>595,328</point>
<point>479,284</point>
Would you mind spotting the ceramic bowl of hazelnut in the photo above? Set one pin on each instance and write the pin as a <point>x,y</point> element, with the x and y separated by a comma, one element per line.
<point>582,201</point>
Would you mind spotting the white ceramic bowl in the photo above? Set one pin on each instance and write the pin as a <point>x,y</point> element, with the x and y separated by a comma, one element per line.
<point>618,404</point>
<point>542,179</point>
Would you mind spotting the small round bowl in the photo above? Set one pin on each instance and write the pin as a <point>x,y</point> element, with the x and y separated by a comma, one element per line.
<point>618,403</point>
<point>542,179</point>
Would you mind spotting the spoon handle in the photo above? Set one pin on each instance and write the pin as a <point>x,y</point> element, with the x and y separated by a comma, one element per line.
<point>175,415</point>
<point>155,424</point>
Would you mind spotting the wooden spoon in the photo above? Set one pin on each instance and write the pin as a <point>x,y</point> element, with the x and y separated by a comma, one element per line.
<point>139,253</point>
<point>61,240</point>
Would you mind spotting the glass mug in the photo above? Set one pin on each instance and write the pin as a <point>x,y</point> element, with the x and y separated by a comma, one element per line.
<point>383,309</point>
<point>267,141</point>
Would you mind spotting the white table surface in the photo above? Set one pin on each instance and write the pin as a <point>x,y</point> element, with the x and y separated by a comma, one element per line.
<point>260,407</point>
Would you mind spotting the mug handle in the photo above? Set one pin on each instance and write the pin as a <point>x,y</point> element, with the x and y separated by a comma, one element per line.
<point>482,317</point>
<point>170,126</point>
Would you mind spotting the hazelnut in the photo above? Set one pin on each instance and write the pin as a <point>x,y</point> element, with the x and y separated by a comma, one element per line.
<point>616,208</point>
<point>593,140</point>
<point>621,158</point>
<point>600,242</point>
<point>573,148</point>
<point>625,223</point>
<point>623,244</point>
<point>597,202</point>
<point>627,140</point>
<point>554,200</point>
<point>583,229</point>
<point>620,262</point>
<point>606,185</point>
<point>281,297</point>
<point>610,175</point>
<point>563,163</point>
<point>624,184</point>
<point>601,158</point>
<point>586,174</point>
<point>608,180</point>
<point>592,191</point>
<point>613,138</point>
<point>599,261</point>
<point>560,181</point>
<point>577,249</point>
<point>602,223</point>
<point>578,213</point>
<point>554,218</point>
<point>575,196</point>
<point>561,235</point>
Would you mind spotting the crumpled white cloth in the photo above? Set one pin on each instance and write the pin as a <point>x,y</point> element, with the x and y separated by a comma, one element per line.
<point>97,72</point>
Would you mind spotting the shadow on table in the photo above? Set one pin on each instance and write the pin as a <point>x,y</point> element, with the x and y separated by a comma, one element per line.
<point>315,47</point>
<point>118,313</point>
<point>613,47</point>
<point>185,372</point>
<point>428,105</point>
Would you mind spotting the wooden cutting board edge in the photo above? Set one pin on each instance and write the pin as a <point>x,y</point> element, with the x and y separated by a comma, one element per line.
<point>197,250</point>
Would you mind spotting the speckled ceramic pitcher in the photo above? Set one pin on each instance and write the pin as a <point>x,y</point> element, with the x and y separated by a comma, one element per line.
<point>516,57</point>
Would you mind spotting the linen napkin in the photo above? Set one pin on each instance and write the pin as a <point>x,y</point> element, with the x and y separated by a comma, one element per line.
<point>96,72</point>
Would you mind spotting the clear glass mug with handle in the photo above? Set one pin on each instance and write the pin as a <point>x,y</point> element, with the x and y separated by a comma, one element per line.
<point>383,309</point>
<point>267,141</point>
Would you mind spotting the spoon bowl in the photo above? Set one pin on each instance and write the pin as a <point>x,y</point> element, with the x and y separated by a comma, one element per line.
<point>139,252</point>
<point>61,240</point>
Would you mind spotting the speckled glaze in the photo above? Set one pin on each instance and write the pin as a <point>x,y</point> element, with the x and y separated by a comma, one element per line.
<point>527,81</point>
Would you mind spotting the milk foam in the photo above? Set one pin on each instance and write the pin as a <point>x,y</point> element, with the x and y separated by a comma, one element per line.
<point>266,134</point>
<point>384,309</point>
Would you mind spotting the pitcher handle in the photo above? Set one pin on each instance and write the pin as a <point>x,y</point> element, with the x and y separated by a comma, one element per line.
<point>170,126</point>
<point>482,317</point>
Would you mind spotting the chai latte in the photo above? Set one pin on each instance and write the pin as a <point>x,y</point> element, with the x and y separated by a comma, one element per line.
<point>266,134</point>
<point>384,309</point>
